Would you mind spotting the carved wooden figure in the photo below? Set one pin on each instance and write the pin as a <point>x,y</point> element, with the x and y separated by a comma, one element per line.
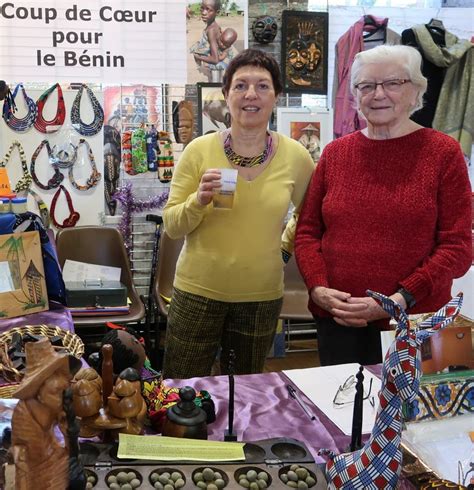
<point>126,401</point>
<point>40,460</point>
<point>378,464</point>
<point>87,400</point>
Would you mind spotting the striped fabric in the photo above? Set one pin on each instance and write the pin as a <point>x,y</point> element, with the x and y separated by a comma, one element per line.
<point>198,326</point>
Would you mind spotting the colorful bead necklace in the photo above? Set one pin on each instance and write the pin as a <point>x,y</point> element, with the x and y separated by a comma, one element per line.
<point>96,125</point>
<point>24,183</point>
<point>247,161</point>
<point>73,217</point>
<point>94,177</point>
<point>48,127</point>
<point>57,177</point>
<point>15,123</point>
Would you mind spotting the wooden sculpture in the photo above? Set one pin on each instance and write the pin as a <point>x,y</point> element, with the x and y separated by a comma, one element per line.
<point>40,460</point>
<point>126,402</point>
<point>378,464</point>
<point>87,400</point>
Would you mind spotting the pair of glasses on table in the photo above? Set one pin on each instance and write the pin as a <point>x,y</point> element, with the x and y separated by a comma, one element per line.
<point>346,392</point>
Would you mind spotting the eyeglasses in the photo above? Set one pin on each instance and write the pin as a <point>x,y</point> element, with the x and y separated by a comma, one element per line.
<point>393,86</point>
<point>346,392</point>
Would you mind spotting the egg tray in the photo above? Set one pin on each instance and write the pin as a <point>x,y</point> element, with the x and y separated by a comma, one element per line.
<point>274,456</point>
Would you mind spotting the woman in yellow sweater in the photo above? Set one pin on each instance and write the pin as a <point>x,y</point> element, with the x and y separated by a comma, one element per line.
<point>228,285</point>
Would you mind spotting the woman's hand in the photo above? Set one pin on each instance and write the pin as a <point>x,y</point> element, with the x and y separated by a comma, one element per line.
<point>360,318</point>
<point>337,303</point>
<point>210,180</point>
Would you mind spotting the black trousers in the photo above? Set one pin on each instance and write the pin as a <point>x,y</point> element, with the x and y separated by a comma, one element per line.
<point>343,345</point>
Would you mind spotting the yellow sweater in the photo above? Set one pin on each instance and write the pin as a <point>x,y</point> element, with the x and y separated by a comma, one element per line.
<point>234,254</point>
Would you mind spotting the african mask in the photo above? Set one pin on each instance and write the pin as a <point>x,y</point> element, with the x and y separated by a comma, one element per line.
<point>264,29</point>
<point>183,120</point>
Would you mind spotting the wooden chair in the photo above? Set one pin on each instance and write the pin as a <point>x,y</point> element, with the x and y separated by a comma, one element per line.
<point>102,246</point>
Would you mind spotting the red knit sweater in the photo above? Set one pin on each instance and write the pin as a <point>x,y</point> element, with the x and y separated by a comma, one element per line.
<point>382,214</point>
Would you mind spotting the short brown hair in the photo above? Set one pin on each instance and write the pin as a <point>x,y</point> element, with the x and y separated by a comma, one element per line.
<point>253,57</point>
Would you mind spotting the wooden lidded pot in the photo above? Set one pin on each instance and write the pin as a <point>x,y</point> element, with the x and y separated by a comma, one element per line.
<point>185,419</point>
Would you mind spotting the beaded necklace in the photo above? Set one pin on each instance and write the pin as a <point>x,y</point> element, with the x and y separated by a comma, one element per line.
<point>63,158</point>
<point>73,217</point>
<point>96,125</point>
<point>15,123</point>
<point>24,183</point>
<point>94,177</point>
<point>54,124</point>
<point>247,161</point>
<point>57,177</point>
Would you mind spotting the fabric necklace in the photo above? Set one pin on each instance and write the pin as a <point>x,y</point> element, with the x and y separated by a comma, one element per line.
<point>15,123</point>
<point>24,183</point>
<point>94,177</point>
<point>57,177</point>
<point>247,161</point>
<point>96,125</point>
<point>63,158</point>
<point>43,209</point>
<point>54,124</point>
<point>73,217</point>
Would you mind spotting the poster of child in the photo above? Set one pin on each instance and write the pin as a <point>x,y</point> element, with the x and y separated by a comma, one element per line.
<point>215,34</point>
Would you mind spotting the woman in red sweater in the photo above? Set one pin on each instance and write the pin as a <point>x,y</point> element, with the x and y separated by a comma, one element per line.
<point>388,209</point>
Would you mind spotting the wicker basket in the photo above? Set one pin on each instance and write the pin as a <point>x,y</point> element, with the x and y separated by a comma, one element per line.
<point>71,341</point>
<point>6,391</point>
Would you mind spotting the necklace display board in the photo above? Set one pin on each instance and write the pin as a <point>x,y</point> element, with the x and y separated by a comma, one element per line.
<point>89,203</point>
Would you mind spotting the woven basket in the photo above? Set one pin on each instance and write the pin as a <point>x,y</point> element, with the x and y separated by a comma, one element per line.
<point>6,391</point>
<point>71,341</point>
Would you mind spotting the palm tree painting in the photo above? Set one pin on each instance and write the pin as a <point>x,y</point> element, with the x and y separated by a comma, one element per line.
<point>23,253</point>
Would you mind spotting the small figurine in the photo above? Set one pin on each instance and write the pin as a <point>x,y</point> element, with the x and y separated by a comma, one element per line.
<point>126,402</point>
<point>40,460</point>
<point>379,462</point>
<point>87,399</point>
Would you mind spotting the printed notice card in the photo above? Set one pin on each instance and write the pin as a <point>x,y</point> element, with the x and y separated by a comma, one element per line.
<point>178,449</point>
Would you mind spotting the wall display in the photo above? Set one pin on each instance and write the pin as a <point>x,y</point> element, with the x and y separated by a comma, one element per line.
<point>264,29</point>
<point>313,129</point>
<point>206,63</point>
<point>304,53</point>
<point>213,113</point>
<point>49,156</point>
<point>102,42</point>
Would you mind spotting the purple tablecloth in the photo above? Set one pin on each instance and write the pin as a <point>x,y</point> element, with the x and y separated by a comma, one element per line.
<point>57,315</point>
<point>264,410</point>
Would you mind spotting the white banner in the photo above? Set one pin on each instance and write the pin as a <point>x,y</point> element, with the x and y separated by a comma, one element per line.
<point>102,41</point>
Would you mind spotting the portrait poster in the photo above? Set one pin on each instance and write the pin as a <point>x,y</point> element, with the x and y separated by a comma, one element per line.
<point>313,129</point>
<point>213,113</point>
<point>126,107</point>
<point>231,20</point>
<point>304,52</point>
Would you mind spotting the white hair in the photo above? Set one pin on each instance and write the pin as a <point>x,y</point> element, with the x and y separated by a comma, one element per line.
<point>406,56</point>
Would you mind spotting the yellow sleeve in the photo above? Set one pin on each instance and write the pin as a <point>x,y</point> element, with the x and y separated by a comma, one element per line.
<point>305,170</point>
<point>183,213</point>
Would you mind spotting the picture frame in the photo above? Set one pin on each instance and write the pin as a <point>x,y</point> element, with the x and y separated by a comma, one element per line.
<point>304,52</point>
<point>213,113</point>
<point>311,127</point>
<point>22,279</point>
